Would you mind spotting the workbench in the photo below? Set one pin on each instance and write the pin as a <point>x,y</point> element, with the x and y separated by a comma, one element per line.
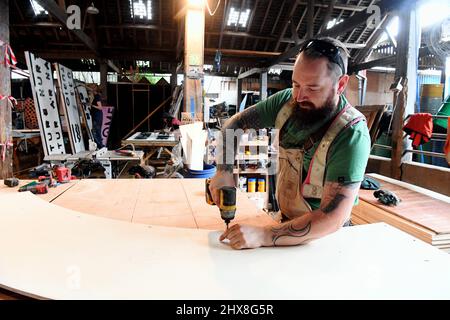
<point>152,144</point>
<point>49,250</point>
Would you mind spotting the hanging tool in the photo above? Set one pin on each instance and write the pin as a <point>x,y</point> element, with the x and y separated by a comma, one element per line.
<point>227,201</point>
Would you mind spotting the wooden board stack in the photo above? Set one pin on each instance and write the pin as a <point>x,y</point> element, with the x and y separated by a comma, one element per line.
<point>420,213</point>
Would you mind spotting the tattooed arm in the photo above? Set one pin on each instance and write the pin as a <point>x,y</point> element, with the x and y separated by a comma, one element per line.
<point>335,209</point>
<point>248,119</point>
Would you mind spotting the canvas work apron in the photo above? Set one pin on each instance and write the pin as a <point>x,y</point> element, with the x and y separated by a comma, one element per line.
<point>290,191</point>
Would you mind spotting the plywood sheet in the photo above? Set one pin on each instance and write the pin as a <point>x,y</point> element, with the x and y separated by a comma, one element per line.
<point>166,202</point>
<point>47,251</point>
<point>416,207</point>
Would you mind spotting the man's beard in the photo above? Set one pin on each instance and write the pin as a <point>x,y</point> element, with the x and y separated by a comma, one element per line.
<point>307,114</point>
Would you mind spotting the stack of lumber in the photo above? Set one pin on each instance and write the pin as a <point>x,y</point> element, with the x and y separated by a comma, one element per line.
<point>421,213</point>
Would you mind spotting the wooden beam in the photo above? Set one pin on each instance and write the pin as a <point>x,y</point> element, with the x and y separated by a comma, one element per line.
<point>357,19</point>
<point>275,24</point>
<point>233,39</point>
<point>347,7</point>
<point>6,169</point>
<point>222,26</point>
<point>263,85</point>
<point>236,52</point>
<point>327,15</point>
<point>374,37</point>
<point>406,68</point>
<point>288,22</point>
<point>310,27</point>
<point>250,21</point>
<point>119,15</point>
<point>383,62</point>
<point>262,24</point>
<point>56,11</point>
<point>250,72</point>
<point>160,23</point>
<point>351,33</point>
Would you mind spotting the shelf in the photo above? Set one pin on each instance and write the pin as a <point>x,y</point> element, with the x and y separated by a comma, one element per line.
<point>250,171</point>
<point>263,156</point>
<point>260,143</point>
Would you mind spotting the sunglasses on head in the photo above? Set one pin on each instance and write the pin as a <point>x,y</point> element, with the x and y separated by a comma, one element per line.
<point>326,49</point>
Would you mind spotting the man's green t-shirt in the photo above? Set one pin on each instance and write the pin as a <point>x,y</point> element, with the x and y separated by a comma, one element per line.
<point>348,154</point>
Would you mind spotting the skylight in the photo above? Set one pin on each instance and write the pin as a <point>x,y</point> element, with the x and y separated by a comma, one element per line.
<point>37,8</point>
<point>236,17</point>
<point>333,22</point>
<point>141,9</point>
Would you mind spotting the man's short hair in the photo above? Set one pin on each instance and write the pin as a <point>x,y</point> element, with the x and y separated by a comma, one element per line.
<point>334,68</point>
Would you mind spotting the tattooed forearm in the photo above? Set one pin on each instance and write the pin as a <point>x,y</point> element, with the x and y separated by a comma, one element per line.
<point>335,195</point>
<point>333,204</point>
<point>288,230</point>
<point>248,119</point>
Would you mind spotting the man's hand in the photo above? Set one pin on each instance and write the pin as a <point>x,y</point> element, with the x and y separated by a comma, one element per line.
<point>220,180</point>
<point>247,237</point>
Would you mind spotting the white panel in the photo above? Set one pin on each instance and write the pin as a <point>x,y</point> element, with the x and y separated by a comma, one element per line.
<point>67,89</point>
<point>45,102</point>
<point>52,252</point>
<point>86,106</point>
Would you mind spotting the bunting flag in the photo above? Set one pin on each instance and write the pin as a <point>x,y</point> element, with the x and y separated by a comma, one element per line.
<point>10,57</point>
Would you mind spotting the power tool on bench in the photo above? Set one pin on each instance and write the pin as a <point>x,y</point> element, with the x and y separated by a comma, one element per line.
<point>35,187</point>
<point>227,201</point>
<point>11,182</point>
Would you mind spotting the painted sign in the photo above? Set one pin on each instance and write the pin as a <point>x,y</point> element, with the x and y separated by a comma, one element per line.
<point>71,111</point>
<point>41,78</point>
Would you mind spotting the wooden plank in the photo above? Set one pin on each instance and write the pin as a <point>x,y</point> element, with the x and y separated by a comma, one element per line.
<point>373,214</point>
<point>79,256</point>
<point>415,207</point>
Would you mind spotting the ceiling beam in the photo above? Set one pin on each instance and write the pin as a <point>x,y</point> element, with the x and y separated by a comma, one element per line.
<point>275,24</point>
<point>262,24</point>
<point>373,39</point>
<point>383,62</point>
<point>310,26</point>
<point>249,23</point>
<point>288,22</point>
<point>357,19</point>
<point>56,11</point>
<point>222,26</point>
<point>327,15</point>
<point>353,31</point>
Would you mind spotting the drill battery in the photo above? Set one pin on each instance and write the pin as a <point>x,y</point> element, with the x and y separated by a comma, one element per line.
<point>11,182</point>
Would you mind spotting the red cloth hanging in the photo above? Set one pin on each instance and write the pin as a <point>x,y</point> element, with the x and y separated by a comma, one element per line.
<point>419,128</point>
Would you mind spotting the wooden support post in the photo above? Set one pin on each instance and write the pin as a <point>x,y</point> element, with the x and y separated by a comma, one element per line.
<point>239,93</point>
<point>104,78</point>
<point>263,85</point>
<point>193,60</point>
<point>407,46</point>
<point>6,169</point>
<point>173,78</point>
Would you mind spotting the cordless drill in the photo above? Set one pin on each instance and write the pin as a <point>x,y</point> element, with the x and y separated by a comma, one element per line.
<point>227,201</point>
<point>34,187</point>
